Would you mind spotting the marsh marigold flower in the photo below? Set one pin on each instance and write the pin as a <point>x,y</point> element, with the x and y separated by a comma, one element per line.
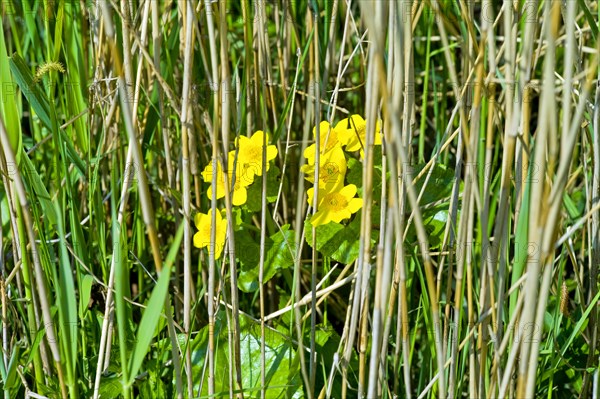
<point>335,206</point>
<point>353,133</point>
<point>202,237</point>
<point>239,193</point>
<point>250,154</point>
<point>332,162</point>
<point>332,170</point>
<point>328,140</point>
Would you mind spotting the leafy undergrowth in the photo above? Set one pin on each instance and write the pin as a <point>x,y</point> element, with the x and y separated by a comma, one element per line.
<point>299,199</point>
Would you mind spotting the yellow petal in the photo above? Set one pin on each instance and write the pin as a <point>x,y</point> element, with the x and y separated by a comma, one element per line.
<point>310,153</point>
<point>356,133</point>
<point>349,191</point>
<point>207,173</point>
<point>323,129</point>
<point>309,172</point>
<point>334,158</point>
<point>271,152</point>
<point>258,138</point>
<point>199,242</point>
<point>198,219</point>
<point>320,218</point>
<point>310,193</point>
<point>344,133</point>
<point>340,215</point>
<point>342,125</point>
<point>332,186</point>
<point>241,141</point>
<point>240,196</point>
<point>357,122</point>
<point>355,204</point>
<point>377,140</point>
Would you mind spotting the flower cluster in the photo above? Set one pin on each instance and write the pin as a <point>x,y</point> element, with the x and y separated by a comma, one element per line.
<point>242,168</point>
<point>335,202</point>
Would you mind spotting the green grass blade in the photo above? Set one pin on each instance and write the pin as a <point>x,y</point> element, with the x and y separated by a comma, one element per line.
<point>149,322</point>
<point>31,89</point>
<point>8,100</point>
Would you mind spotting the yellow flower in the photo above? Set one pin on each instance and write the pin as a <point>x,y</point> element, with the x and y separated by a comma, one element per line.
<point>240,195</point>
<point>202,237</point>
<point>250,154</point>
<point>332,170</point>
<point>328,140</point>
<point>335,206</point>
<point>353,132</point>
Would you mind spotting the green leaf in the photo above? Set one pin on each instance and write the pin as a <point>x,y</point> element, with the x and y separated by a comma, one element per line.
<point>66,296</point>
<point>33,179</point>
<point>439,185</point>
<point>435,224</point>
<point>338,241</point>
<point>282,365</point>
<point>279,254</point>
<point>354,173</point>
<point>31,89</point>
<point>254,203</point>
<point>575,204</point>
<point>8,100</point>
<point>149,322</point>
<point>579,325</point>
<point>592,23</point>
<point>111,387</point>
<point>85,294</point>
<point>327,343</point>
<point>11,380</point>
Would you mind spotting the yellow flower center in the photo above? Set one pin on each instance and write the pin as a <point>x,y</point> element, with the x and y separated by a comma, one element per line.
<point>336,201</point>
<point>255,152</point>
<point>329,172</point>
<point>206,230</point>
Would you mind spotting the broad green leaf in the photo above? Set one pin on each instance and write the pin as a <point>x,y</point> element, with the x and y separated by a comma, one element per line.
<point>355,171</point>
<point>111,387</point>
<point>279,254</point>
<point>281,363</point>
<point>337,241</point>
<point>435,224</point>
<point>327,343</point>
<point>254,203</point>
<point>439,185</point>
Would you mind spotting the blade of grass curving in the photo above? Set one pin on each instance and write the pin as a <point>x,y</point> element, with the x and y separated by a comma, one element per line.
<point>32,91</point>
<point>154,308</point>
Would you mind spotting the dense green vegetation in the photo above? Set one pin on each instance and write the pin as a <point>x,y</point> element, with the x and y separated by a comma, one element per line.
<point>299,199</point>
